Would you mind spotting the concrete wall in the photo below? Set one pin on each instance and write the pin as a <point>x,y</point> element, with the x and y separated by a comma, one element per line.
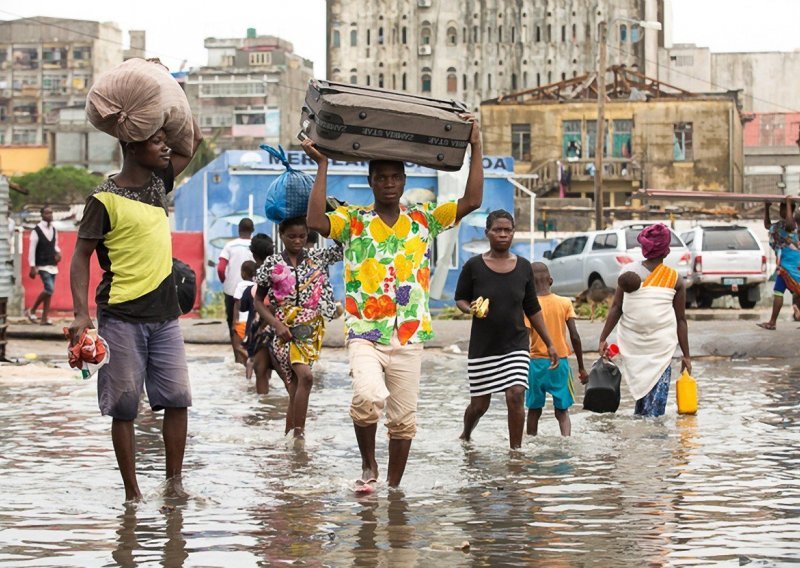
<point>17,160</point>
<point>500,66</point>
<point>769,81</point>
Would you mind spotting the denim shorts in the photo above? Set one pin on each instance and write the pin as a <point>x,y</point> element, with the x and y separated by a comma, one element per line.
<point>780,286</point>
<point>142,356</point>
<point>49,281</point>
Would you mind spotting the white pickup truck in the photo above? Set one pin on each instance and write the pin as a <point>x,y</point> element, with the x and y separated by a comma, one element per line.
<point>727,260</point>
<point>580,260</point>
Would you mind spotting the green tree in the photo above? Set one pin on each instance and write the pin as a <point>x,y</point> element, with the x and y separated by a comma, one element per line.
<point>57,185</point>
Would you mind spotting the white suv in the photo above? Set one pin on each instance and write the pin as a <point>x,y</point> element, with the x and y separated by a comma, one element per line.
<point>727,260</point>
<point>580,260</point>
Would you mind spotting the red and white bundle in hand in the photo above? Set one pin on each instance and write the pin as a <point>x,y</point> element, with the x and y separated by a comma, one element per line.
<point>89,353</point>
<point>137,98</point>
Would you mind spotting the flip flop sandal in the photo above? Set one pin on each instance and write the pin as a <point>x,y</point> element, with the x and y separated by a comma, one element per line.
<point>767,326</point>
<point>367,487</point>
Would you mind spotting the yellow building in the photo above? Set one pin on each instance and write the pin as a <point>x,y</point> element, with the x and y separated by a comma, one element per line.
<point>657,137</point>
<point>18,160</point>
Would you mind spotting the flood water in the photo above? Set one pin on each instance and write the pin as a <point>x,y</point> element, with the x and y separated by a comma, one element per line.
<point>721,487</point>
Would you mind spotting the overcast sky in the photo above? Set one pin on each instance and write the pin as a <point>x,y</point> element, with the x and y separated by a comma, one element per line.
<point>175,30</point>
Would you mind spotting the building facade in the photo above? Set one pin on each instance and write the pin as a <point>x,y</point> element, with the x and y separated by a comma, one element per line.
<point>478,49</point>
<point>656,138</point>
<point>48,64</point>
<point>250,92</point>
<point>768,81</point>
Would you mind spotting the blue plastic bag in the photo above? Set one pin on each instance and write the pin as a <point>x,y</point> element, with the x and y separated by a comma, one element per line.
<point>287,196</point>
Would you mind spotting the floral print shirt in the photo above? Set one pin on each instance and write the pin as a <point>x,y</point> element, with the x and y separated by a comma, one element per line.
<point>306,285</point>
<point>387,269</point>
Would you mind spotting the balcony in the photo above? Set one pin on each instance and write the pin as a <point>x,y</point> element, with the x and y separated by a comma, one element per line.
<point>544,178</point>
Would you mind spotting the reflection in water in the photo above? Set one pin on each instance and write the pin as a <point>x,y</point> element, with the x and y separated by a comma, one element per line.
<point>682,490</point>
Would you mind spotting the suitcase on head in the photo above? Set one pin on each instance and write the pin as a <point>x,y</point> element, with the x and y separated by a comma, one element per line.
<point>349,122</point>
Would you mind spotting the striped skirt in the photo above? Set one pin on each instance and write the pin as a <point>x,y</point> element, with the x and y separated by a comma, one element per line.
<point>496,373</point>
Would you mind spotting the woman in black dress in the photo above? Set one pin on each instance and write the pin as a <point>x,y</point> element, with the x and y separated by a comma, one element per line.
<point>499,342</point>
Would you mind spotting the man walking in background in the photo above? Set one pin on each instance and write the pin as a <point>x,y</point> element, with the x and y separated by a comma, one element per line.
<point>44,255</point>
<point>229,269</point>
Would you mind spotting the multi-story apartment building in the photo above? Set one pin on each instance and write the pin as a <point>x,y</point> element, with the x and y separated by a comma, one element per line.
<point>250,92</point>
<point>47,64</point>
<point>477,49</point>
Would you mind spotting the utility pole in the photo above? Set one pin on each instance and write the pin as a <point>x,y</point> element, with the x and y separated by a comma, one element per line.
<point>600,130</point>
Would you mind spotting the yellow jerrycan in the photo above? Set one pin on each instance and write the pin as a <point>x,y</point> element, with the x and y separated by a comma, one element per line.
<point>686,390</point>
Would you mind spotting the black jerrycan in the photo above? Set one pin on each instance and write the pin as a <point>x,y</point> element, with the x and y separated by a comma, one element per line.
<point>602,389</point>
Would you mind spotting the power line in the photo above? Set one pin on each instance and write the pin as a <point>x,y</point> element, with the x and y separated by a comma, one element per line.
<point>701,79</point>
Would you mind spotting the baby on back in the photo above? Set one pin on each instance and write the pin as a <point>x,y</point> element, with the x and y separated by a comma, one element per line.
<point>629,281</point>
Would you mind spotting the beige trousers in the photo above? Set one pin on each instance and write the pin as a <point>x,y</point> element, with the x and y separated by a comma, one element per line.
<point>385,376</point>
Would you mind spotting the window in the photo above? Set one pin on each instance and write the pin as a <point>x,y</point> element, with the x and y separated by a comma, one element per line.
<point>425,35</point>
<point>549,36</point>
<point>538,80</point>
<point>682,142</point>
<point>591,138</point>
<point>499,34</point>
<point>728,238</point>
<point>488,34</point>
<point>353,38</point>
<point>514,81</point>
<point>570,247</point>
<point>380,80</point>
<point>23,136</point>
<point>623,33</point>
<point>83,53</point>
<point>452,80</point>
<point>622,139</point>
<point>353,79</point>
<point>563,33</point>
<point>476,82</point>
<point>452,36</point>
<point>572,144</point>
<point>405,85</point>
<point>233,89</point>
<point>521,142</point>
<point>265,57</point>
<point>574,32</point>
<point>247,115</point>
<point>426,83</point>
<point>369,35</point>
<point>606,241</point>
<point>513,34</point>
<point>404,35</point>
<point>464,34</point>
<point>336,40</point>
<point>394,82</point>
<point>524,79</point>
<point>538,34</point>
<point>475,34</point>
<point>464,81</point>
<point>688,240</point>
<point>25,57</point>
<point>380,36</point>
<point>682,60</point>
<point>489,81</point>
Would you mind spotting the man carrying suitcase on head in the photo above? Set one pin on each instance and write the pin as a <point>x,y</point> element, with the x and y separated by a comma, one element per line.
<point>387,276</point>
